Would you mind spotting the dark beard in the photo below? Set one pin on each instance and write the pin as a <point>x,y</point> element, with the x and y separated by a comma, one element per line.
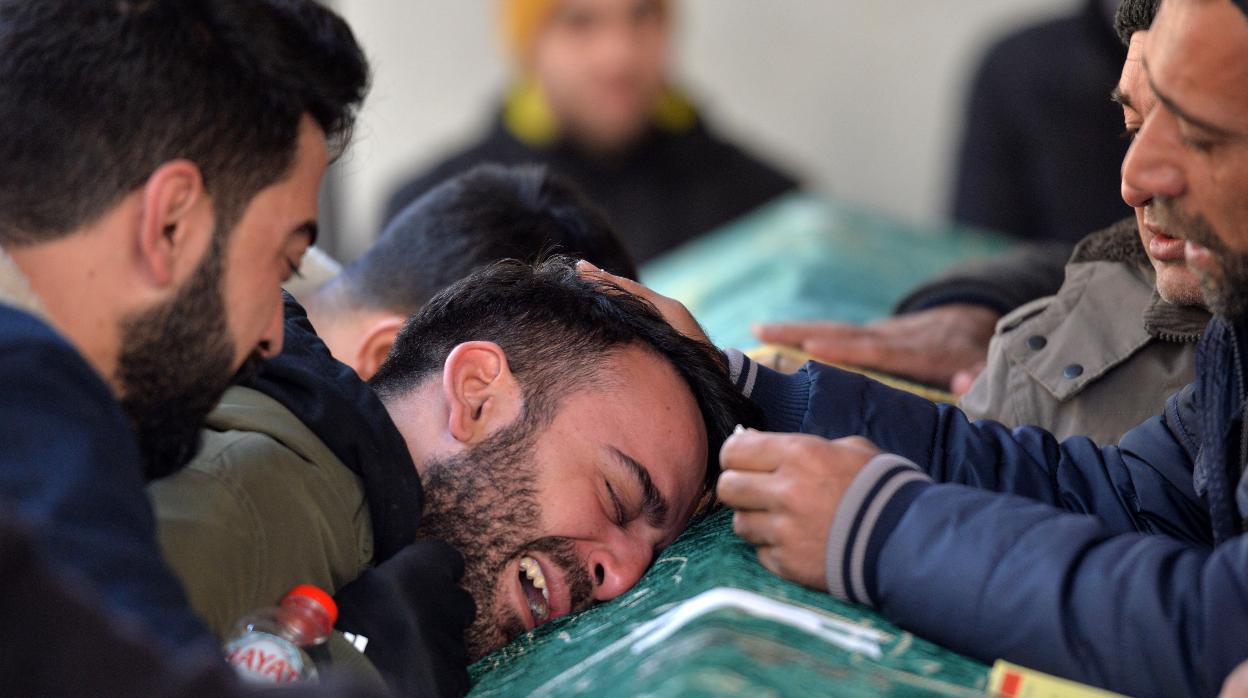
<point>484,503</point>
<point>1225,288</point>
<point>176,361</point>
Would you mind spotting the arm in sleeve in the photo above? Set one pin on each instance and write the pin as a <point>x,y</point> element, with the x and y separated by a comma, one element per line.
<point>1143,484</point>
<point>997,576</point>
<point>1002,283</point>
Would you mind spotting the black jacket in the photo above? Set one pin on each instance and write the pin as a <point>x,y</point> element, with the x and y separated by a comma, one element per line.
<point>1041,154</point>
<point>670,188</point>
<point>70,468</point>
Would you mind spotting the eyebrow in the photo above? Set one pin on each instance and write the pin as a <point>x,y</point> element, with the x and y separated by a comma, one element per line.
<point>654,504</point>
<point>308,228</point>
<point>1179,112</point>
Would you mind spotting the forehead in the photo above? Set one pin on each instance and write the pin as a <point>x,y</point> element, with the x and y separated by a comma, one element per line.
<point>1197,55</point>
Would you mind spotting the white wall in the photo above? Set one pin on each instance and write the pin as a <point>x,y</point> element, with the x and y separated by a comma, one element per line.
<point>863,98</point>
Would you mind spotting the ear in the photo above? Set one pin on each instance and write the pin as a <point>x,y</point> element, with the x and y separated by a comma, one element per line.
<point>176,222</point>
<point>375,345</point>
<point>480,390</point>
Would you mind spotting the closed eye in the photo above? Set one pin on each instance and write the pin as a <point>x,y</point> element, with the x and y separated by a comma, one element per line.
<point>620,518</point>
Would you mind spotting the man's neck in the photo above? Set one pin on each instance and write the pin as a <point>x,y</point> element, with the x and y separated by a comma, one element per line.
<point>71,282</point>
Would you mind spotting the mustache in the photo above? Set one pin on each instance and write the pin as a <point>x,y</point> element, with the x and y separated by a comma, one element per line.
<point>1186,226</point>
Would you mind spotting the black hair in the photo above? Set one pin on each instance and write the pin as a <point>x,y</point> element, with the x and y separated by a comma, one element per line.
<point>96,94</point>
<point>484,215</point>
<point>558,330</point>
<point>1133,16</point>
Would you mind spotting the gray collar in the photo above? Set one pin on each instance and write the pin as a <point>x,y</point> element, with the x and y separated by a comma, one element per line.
<point>1175,323</point>
<point>15,289</point>
<point>1162,320</point>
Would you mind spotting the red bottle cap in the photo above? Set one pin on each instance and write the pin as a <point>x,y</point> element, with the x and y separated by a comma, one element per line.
<point>317,595</point>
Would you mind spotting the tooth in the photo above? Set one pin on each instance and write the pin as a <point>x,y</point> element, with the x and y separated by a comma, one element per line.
<point>539,581</point>
<point>546,594</point>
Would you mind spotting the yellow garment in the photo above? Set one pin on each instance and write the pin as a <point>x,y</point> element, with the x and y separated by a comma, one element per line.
<point>530,119</point>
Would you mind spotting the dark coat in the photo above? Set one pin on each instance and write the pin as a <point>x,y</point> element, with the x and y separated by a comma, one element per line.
<point>670,188</point>
<point>70,468</point>
<point>1040,154</point>
<point>1119,566</point>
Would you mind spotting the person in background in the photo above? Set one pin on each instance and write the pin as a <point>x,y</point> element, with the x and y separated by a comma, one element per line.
<point>484,215</point>
<point>593,98</point>
<point>1039,154</point>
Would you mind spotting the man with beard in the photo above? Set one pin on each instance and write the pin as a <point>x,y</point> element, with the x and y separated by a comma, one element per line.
<point>563,433</point>
<point>1122,566</point>
<point>159,170</point>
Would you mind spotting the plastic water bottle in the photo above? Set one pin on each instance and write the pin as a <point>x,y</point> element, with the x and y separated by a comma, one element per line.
<point>269,645</point>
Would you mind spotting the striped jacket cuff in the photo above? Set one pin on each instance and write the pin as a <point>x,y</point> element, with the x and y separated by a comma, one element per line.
<point>868,512</point>
<point>742,371</point>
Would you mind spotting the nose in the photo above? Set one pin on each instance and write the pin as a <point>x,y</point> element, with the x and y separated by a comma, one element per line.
<point>618,566</point>
<point>270,344</point>
<point>1152,167</point>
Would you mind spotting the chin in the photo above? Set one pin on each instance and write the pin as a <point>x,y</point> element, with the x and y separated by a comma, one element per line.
<point>1183,290</point>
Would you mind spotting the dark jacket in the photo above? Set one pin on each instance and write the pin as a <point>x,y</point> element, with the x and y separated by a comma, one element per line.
<point>70,468</point>
<point>669,188</point>
<point>303,478</point>
<point>1040,154</point>
<point>1119,566</point>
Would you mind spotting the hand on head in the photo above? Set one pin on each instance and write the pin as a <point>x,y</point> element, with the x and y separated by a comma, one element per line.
<point>672,310</point>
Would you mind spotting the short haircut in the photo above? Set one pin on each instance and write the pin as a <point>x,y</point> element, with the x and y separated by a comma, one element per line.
<point>96,94</point>
<point>558,330</point>
<point>487,214</point>
<point>1133,16</point>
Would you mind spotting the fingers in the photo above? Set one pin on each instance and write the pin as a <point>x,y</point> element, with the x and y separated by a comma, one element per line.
<point>752,450</point>
<point>866,350</point>
<point>754,527</point>
<point>743,489</point>
<point>962,381</point>
<point>795,333</point>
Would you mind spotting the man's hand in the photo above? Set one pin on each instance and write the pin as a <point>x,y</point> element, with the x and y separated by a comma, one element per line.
<point>933,346</point>
<point>413,613</point>
<point>672,310</point>
<point>786,489</point>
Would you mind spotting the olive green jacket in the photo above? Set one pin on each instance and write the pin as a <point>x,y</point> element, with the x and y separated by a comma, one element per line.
<point>1096,359</point>
<point>264,506</point>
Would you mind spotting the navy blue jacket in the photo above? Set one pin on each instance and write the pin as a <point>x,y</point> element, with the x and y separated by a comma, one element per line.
<point>1119,566</point>
<point>70,468</point>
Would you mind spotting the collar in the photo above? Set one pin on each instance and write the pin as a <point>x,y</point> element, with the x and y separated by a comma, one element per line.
<point>15,288</point>
<point>527,115</point>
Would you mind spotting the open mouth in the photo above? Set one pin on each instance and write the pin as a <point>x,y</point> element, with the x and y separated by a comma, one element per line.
<point>536,591</point>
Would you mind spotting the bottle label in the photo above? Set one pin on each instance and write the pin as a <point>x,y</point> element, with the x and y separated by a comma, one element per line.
<point>264,658</point>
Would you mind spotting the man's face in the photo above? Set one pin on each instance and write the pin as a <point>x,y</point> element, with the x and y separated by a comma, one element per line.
<point>1175,281</point>
<point>1190,157</point>
<point>178,358</point>
<point>553,519</point>
<point>602,65</point>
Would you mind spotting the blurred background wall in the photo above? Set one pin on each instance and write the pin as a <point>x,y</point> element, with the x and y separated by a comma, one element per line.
<point>863,99</point>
